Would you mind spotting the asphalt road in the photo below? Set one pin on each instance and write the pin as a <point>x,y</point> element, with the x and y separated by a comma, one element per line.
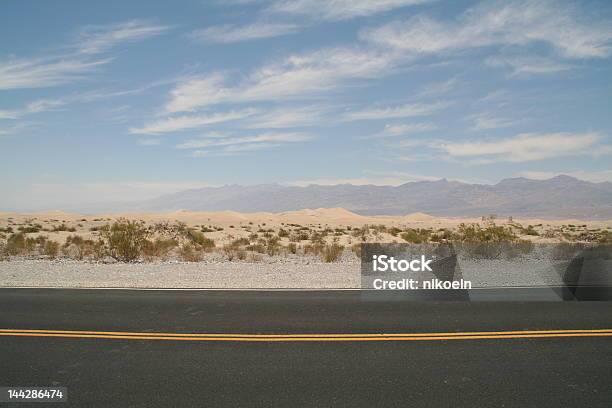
<point>146,372</point>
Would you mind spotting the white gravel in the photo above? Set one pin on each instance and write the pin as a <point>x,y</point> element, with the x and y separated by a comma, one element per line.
<point>63,273</point>
<point>274,274</point>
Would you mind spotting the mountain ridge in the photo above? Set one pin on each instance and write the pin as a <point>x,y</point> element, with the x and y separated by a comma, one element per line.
<point>558,197</point>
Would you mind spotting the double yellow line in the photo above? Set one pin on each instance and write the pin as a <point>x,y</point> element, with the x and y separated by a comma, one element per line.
<point>520,334</point>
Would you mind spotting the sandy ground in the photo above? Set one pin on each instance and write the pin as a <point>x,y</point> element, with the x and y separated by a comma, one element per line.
<point>236,225</point>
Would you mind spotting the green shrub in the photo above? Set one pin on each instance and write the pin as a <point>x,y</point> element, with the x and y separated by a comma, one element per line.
<point>199,239</point>
<point>125,239</point>
<point>415,236</point>
<point>492,233</point>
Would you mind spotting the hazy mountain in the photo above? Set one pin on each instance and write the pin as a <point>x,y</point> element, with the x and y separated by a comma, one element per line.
<point>558,197</point>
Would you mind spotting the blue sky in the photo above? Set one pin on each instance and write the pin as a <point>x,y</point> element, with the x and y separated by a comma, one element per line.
<point>113,101</point>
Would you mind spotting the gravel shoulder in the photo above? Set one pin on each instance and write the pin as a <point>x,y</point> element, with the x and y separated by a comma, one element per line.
<point>276,274</point>
<point>43,273</point>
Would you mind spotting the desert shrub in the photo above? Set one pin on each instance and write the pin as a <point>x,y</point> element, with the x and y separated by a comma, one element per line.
<point>298,236</point>
<point>317,237</point>
<point>313,249</point>
<point>190,252</point>
<point>51,249</point>
<point>530,231</point>
<point>16,244</point>
<point>199,239</point>
<point>31,244</point>
<point>234,252</point>
<point>360,233</point>
<point>332,252</point>
<point>491,233</point>
<point>160,248</point>
<point>282,233</point>
<point>356,249</point>
<point>415,236</point>
<point>76,247</point>
<point>125,238</point>
<point>207,229</point>
<point>63,227</point>
<point>605,237</point>
<point>27,229</point>
<point>292,247</point>
<point>239,242</point>
<point>394,231</point>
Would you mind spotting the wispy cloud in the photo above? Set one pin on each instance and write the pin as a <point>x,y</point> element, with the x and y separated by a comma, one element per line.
<point>500,23</point>
<point>438,88</point>
<point>44,72</point>
<point>229,33</point>
<point>402,111</point>
<point>250,140</point>
<point>487,121</point>
<point>101,38</point>
<point>288,118</point>
<point>296,77</point>
<point>181,123</point>
<point>41,105</point>
<point>521,148</point>
<point>526,66</point>
<point>403,129</point>
<point>339,9</point>
<point>220,145</point>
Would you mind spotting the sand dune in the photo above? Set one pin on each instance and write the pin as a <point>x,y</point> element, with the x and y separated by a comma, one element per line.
<point>324,216</point>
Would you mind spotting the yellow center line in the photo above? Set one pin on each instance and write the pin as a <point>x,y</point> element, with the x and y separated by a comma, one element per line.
<point>516,334</point>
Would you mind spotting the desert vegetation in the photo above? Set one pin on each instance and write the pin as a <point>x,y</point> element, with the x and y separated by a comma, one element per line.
<point>104,239</point>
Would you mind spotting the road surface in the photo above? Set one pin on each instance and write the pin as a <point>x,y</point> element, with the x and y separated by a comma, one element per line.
<point>303,348</point>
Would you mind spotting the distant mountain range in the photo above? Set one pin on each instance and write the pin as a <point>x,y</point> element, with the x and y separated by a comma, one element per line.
<point>558,197</point>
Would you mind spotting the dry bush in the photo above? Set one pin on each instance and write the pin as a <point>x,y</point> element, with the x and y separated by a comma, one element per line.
<point>63,227</point>
<point>356,248</point>
<point>190,253</point>
<point>332,252</point>
<point>160,248</point>
<point>233,252</point>
<point>51,249</point>
<point>16,244</point>
<point>76,247</point>
<point>27,229</point>
<point>298,236</point>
